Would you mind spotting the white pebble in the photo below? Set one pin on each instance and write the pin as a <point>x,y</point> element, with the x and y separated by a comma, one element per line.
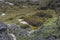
<point>3,14</point>
<point>20,19</point>
<point>9,3</point>
<point>23,22</point>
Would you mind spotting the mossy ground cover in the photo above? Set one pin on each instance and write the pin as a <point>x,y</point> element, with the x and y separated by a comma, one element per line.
<point>15,12</point>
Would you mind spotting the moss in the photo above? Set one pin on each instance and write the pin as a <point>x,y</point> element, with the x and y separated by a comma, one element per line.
<point>42,14</point>
<point>34,28</point>
<point>30,15</point>
<point>34,21</point>
<point>24,26</point>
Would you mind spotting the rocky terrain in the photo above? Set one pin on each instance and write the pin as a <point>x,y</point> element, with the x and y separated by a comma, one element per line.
<point>29,19</point>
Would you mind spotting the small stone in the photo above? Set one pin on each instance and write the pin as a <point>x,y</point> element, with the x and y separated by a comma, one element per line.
<point>9,3</point>
<point>3,14</point>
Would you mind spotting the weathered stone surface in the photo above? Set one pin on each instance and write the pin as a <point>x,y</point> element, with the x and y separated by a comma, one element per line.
<point>3,31</point>
<point>3,26</point>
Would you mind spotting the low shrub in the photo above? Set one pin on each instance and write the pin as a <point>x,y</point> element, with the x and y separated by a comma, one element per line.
<point>42,14</point>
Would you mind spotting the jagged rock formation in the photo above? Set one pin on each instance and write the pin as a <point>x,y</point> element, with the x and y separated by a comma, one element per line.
<point>3,31</point>
<point>4,35</point>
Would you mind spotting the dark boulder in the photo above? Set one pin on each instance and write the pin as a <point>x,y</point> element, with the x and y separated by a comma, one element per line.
<point>14,27</point>
<point>3,31</point>
<point>3,27</point>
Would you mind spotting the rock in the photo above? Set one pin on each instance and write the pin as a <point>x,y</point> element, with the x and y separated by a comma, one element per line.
<point>17,30</point>
<point>14,27</point>
<point>3,26</point>
<point>22,21</point>
<point>3,14</point>
<point>4,35</point>
<point>23,33</point>
<point>9,3</point>
<point>3,31</point>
